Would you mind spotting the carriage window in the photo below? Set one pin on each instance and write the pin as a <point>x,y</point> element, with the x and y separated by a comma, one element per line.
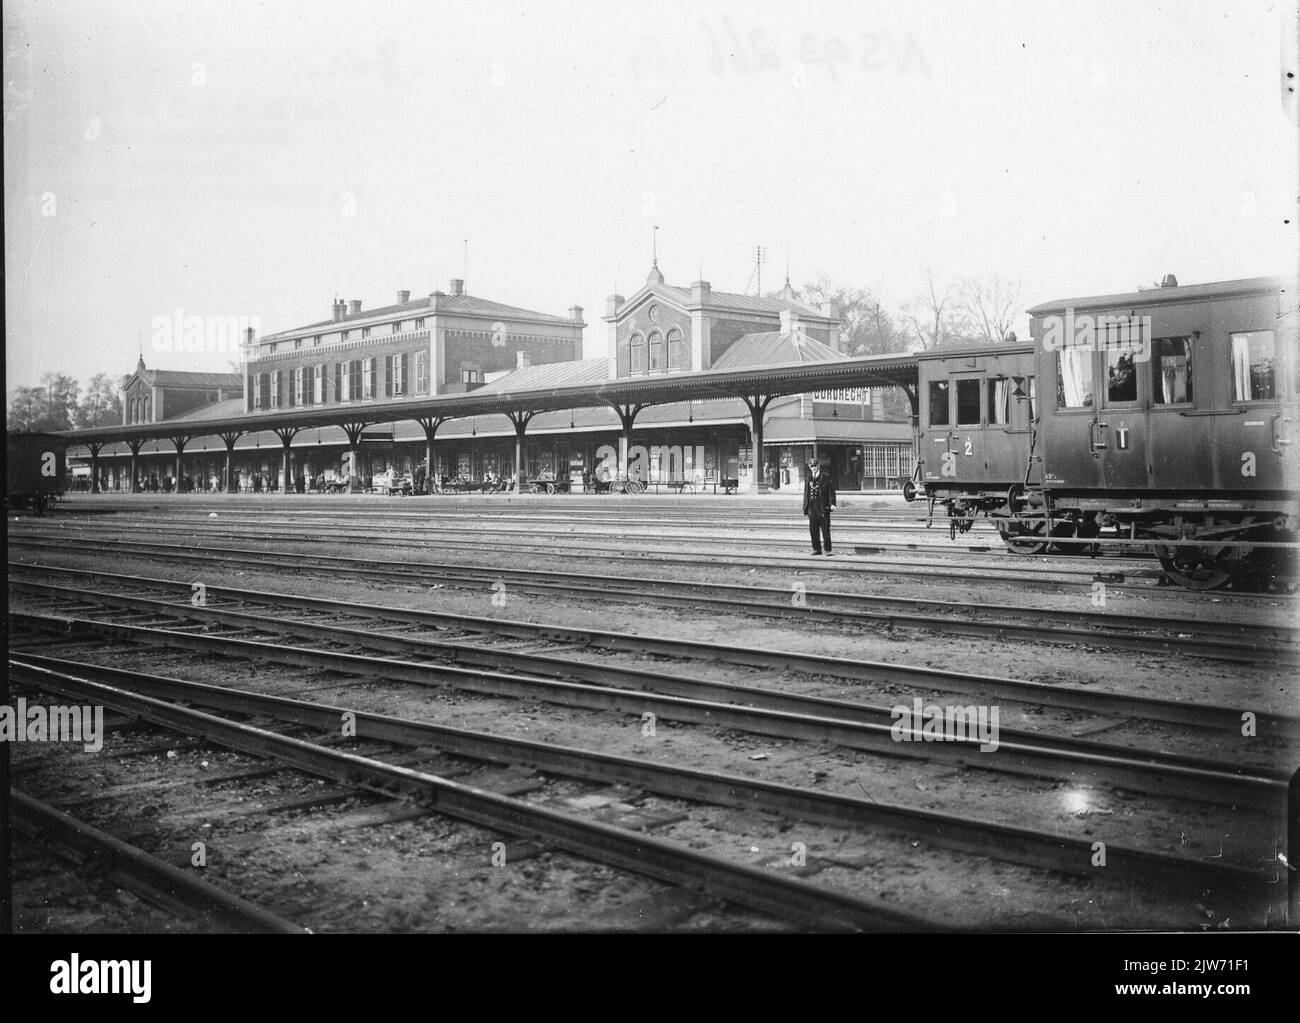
<point>1121,372</point>
<point>1074,378</point>
<point>1171,371</point>
<point>939,415</point>
<point>999,401</point>
<point>1253,374</point>
<point>968,402</point>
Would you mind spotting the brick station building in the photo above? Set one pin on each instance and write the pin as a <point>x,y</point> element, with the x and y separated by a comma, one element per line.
<point>452,342</point>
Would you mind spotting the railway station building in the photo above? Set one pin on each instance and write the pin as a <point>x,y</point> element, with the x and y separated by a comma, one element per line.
<point>451,342</point>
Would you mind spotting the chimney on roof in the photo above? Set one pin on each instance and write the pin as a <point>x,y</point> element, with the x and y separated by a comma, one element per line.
<point>1170,281</point>
<point>250,335</point>
<point>403,297</point>
<point>522,360</point>
<point>339,308</point>
<point>354,306</point>
<point>457,286</point>
<point>575,313</point>
<point>701,292</point>
<point>613,304</point>
<point>789,321</point>
<point>829,311</point>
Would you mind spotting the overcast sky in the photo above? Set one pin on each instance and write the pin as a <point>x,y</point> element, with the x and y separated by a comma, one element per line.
<point>257,159</point>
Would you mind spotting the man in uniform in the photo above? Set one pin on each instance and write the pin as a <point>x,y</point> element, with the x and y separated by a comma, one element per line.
<point>818,501</point>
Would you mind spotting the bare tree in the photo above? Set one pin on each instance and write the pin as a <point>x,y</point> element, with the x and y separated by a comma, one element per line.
<point>867,328</point>
<point>935,317</point>
<point>990,305</point>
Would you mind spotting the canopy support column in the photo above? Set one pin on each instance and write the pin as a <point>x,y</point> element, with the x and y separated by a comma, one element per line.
<point>94,465</point>
<point>757,405</point>
<point>229,439</point>
<point>521,418</point>
<point>354,432</point>
<point>286,435</point>
<point>135,446</point>
<point>430,425</point>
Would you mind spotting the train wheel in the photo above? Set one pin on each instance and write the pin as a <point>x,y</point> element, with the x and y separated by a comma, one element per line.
<point>1023,539</point>
<point>1199,568</point>
<point>1063,530</point>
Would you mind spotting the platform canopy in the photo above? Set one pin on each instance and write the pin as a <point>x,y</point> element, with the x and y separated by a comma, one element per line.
<point>543,389</point>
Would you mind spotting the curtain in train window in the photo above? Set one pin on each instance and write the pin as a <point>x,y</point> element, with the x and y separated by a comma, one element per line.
<point>1074,378</point>
<point>1171,371</point>
<point>939,413</point>
<point>968,403</point>
<point>1121,368</point>
<point>999,401</point>
<point>1253,373</point>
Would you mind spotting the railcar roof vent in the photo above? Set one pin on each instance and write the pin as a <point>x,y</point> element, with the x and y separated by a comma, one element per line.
<point>1170,281</point>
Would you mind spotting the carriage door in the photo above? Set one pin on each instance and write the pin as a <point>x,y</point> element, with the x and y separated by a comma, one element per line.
<point>1068,375</point>
<point>1120,434</point>
<point>967,438</point>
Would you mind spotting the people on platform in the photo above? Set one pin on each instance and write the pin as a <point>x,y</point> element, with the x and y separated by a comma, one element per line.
<point>818,503</point>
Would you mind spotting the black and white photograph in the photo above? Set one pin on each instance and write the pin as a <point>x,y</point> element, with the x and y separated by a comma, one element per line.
<point>658,468</point>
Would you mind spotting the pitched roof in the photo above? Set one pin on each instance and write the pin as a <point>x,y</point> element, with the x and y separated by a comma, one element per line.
<point>732,300</point>
<point>774,348</point>
<point>212,410</point>
<point>464,305</point>
<point>548,376</point>
<point>182,378</point>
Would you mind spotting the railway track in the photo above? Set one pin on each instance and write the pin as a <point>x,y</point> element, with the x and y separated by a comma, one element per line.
<point>1035,755</point>
<point>1237,642</point>
<point>800,902</point>
<point>155,880</point>
<point>1039,573</point>
<point>1024,846</point>
<point>450,631</point>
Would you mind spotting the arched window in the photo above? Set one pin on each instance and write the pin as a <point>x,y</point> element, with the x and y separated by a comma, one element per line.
<point>638,354</point>
<point>656,352</point>
<point>676,350</point>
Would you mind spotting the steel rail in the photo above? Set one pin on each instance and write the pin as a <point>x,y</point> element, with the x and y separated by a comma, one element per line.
<point>1231,649</point>
<point>662,683</point>
<point>1157,774</point>
<point>1026,575</point>
<point>1044,694</point>
<point>790,899</point>
<point>868,600</point>
<point>1062,854</point>
<point>147,876</point>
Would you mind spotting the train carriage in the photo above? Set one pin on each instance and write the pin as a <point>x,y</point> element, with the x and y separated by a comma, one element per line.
<point>977,411</point>
<point>35,470</point>
<point>1169,415</point>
